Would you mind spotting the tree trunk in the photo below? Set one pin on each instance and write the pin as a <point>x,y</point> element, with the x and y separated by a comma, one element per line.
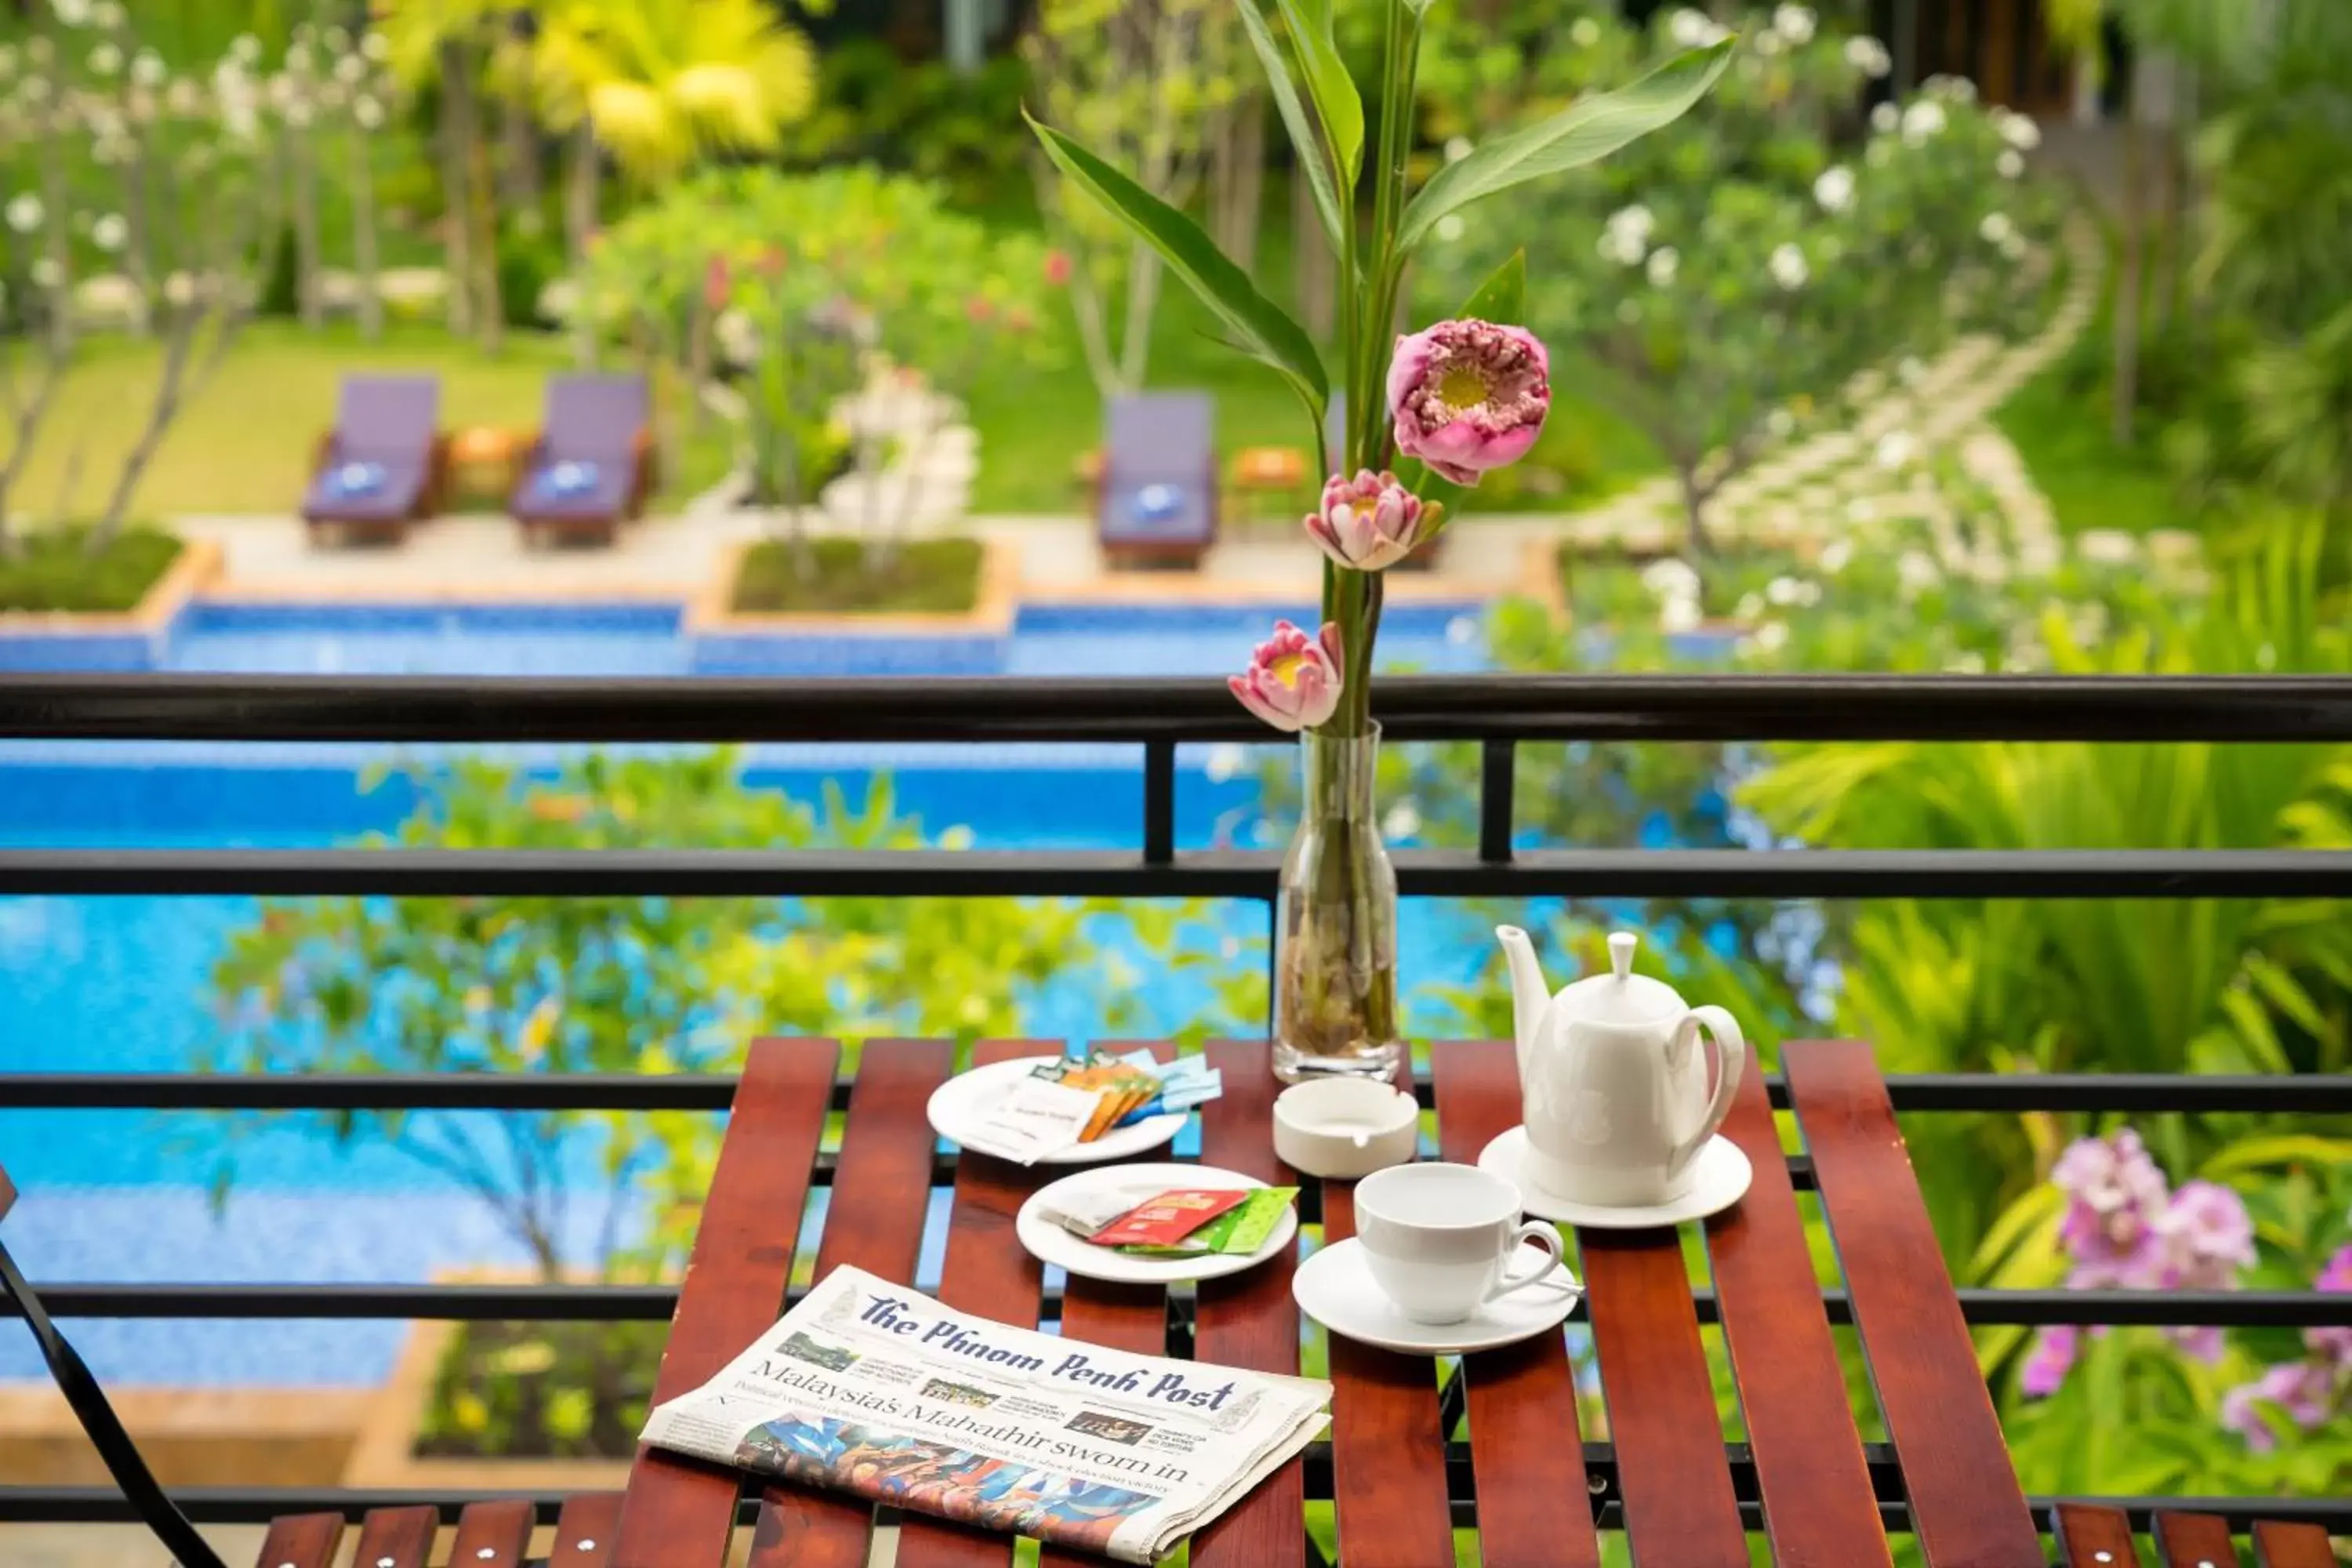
<point>524,179</point>
<point>365,261</point>
<point>302,170</point>
<point>56,200</point>
<point>2129,282</point>
<point>139,241</point>
<point>1144,269</point>
<point>1312,259</point>
<point>489,309</point>
<point>1695,497</point>
<point>1246,201</point>
<point>580,193</point>
<point>457,227</point>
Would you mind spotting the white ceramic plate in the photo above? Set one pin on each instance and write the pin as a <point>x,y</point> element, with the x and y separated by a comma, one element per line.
<point>1335,1288</point>
<point>959,1106</point>
<point>1050,1243</point>
<point>1720,1181</point>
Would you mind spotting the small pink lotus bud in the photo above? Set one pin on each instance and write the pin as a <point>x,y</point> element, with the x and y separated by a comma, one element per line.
<point>1371,522</point>
<point>1293,680</point>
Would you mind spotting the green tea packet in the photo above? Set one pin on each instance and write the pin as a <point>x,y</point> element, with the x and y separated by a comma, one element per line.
<point>1240,1229</point>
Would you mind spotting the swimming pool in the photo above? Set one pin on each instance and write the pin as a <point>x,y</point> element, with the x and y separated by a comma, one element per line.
<point>125,983</point>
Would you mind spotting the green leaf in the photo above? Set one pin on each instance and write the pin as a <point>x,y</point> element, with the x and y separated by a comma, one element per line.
<point>1270,334</point>
<point>1314,154</point>
<point>1589,128</point>
<point>1503,296</point>
<point>1328,84</point>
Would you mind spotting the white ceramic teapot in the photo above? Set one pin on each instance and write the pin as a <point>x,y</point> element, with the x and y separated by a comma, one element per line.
<point>1616,1085</point>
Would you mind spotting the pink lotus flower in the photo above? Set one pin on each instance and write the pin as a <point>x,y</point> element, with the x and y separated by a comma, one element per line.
<point>1293,680</point>
<point>1371,522</point>
<point>1467,396</point>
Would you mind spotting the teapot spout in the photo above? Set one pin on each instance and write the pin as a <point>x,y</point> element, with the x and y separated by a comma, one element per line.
<point>1529,993</point>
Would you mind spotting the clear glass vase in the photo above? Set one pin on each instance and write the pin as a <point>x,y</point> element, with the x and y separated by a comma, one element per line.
<point>1335,1000</point>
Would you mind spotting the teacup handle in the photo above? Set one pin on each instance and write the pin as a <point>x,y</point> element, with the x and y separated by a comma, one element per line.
<point>1732,1056</point>
<point>1544,1233</point>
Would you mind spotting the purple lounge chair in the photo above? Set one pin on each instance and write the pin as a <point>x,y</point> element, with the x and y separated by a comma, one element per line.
<point>384,465</point>
<point>1156,504</point>
<point>592,463</point>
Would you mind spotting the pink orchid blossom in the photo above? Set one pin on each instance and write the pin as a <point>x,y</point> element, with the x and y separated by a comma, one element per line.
<point>1293,680</point>
<point>1371,522</point>
<point>2046,1365</point>
<point>2115,1199</point>
<point>2302,1391</point>
<point>1467,396</point>
<point>2335,1344</point>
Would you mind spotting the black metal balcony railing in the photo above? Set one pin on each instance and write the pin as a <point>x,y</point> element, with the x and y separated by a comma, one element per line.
<point>1157,716</point>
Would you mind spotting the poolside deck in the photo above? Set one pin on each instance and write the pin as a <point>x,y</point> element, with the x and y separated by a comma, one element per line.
<point>480,558</point>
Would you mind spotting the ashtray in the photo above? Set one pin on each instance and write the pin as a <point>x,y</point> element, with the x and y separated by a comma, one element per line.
<point>1345,1127</point>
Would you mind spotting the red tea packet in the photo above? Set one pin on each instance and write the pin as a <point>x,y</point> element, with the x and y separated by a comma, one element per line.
<point>1169,1218</point>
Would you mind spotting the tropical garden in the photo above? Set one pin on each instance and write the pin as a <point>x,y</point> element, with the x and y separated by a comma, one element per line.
<point>1853,378</point>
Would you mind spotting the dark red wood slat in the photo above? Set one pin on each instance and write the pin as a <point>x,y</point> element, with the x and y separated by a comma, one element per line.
<point>679,1512</point>
<point>1966,1506</point>
<point>583,1531</point>
<point>2278,1545</point>
<point>1819,1507</point>
<point>1124,1317</point>
<point>2194,1540</point>
<point>1526,1454</point>
<point>987,1271</point>
<point>881,1193</point>
<point>2094,1537</point>
<point>493,1535</point>
<point>7,1194</point>
<point>1249,1320</point>
<point>302,1540</point>
<point>395,1538</point>
<point>1678,1502</point>
<point>1387,1451</point>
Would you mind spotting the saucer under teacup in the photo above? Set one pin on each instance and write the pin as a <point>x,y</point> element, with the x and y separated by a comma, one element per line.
<point>1335,1288</point>
<point>1719,1178</point>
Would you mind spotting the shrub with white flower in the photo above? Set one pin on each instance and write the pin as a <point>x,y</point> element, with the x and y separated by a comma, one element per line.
<point>1769,248</point>
<point>1834,188</point>
<point>1786,265</point>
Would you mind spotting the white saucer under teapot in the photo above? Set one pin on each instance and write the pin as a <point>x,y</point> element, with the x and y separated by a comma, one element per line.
<point>1619,1098</point>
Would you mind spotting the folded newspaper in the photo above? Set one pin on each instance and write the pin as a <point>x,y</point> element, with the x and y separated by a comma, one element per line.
<point>872,1388</point>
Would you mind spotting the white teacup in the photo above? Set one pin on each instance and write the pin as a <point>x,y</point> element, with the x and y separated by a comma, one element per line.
<point>1440,1239</point>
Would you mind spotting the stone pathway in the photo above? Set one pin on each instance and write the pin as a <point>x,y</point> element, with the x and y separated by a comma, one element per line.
<point>1884,465</point>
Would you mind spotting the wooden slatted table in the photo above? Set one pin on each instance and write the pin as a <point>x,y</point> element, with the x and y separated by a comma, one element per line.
<point>1395,1483</point>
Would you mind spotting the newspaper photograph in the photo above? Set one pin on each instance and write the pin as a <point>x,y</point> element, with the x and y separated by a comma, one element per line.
<point>871,1388</point>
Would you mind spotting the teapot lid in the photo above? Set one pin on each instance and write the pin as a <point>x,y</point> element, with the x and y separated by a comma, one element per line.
<point>1621,996</point>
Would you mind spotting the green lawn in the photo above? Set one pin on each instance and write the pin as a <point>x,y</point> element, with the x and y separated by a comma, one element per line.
<point>2062,430</point>
<point>245,444</point>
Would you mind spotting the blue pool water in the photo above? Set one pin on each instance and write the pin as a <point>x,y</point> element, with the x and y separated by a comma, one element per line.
<point>125,983</point>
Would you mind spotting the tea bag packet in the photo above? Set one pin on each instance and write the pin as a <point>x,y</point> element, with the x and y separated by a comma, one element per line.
<point>1086,1211</point>
<point>1168,1218</point>
<point>1036,1118</point>
<point>1240,1230</point>
<point>1183,1083</point>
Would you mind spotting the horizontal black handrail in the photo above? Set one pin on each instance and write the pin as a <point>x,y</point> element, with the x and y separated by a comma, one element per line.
<point>1413,708</point>
<point>250,1505</point>
<point>1206,874</point>
<point>455,1303</point>
<point>2140,1093</point>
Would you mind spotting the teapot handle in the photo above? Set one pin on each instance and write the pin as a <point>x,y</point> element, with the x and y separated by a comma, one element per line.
<point>1731,1056</point>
